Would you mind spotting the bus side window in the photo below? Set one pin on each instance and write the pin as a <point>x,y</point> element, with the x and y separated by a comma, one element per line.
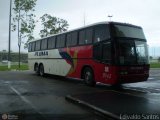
<point>69,39</point>
<point>38,45</point>
<point>97,52</point>
<point>74,38</point>
<point>81,37</point>
<point>33,46</point>
<point>106,52</point>
<point>63,40</point>
<point>44,44</point>
<point>89,35</point>
<point>51,42</point>
<point>101,33</point>
<point>58,41</point>
<point>29,47</point>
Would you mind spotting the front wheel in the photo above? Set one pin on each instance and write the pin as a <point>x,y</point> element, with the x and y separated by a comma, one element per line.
<point>41,70</point>
<point>88,77</point>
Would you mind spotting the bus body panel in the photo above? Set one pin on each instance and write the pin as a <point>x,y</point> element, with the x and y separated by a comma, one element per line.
<point>52,62</point>
<point>69,62</point>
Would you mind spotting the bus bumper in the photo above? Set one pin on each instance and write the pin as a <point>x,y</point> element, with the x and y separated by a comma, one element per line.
<point>133,78</point>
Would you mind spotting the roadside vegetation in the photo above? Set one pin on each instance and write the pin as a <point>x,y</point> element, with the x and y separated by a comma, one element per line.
<point>155,65</point>
<point>14,67</point>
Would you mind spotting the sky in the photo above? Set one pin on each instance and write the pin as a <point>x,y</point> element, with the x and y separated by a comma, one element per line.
<point>144,13</point>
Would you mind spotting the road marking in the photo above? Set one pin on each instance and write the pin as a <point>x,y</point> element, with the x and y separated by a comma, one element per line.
<point>150,78</point>
<point>25,100</point>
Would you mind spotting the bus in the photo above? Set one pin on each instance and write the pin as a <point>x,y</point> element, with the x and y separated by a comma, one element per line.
<point>106,52</point>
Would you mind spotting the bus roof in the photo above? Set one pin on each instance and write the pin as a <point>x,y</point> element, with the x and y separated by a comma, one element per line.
<point>94,24</point>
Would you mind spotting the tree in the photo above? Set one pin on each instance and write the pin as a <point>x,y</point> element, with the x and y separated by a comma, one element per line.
<point>150,57</point>
<point>52,25</point>
<point>23,21</point>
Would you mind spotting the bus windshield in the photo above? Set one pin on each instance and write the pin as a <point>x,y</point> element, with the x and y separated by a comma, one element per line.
<point>128,31</point>
<point>132,52</point>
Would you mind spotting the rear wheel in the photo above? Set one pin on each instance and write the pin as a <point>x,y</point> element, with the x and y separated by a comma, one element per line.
<point>41,70</point>
<point>88,77</point>
<point>36,69</point>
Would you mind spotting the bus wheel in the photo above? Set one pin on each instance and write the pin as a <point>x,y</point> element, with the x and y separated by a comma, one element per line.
<point>41,70</point>
<point>88,77</point>
<point>36,69</point>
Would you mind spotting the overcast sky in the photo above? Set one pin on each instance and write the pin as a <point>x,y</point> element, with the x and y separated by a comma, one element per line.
<point>145,13</point>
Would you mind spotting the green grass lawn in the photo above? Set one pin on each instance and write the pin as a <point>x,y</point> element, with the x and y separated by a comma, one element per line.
<point>155,65</point>
<point>14,67</point>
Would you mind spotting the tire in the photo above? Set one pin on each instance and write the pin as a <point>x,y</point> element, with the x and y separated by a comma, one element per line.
<point>41,70</point>
<point>88,77</point>
<point>36,69</point>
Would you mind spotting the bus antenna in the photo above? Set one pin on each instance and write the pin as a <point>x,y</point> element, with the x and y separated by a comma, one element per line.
<point>84,19</point>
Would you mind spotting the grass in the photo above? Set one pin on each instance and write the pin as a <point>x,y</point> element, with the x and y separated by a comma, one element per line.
<point>155,65</point>
<point>13,67</point>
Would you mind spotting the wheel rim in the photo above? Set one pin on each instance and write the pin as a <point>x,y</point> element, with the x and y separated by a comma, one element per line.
<point>41,70</point>
<point>36,68</point>
<point>87,76</point>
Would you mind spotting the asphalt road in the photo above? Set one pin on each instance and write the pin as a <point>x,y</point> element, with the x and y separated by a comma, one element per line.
<point>29,96</point>
<point>37,97</point>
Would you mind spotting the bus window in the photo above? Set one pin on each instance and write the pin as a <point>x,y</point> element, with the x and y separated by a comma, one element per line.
<point>29,47</point>
<point>44,44</point>
<point>33,46</point>
<point>69,39</point>
<point>81,37</point>
<point>38,45</point>
<point>97,52</point>
<point>51,42</point>
<point>74,38</point>
<point>127,54</point>
<point>63,40</point>
<point>106,50</point>
<point>60,41</point>
<point>101,33</point>
<point>89,34</point>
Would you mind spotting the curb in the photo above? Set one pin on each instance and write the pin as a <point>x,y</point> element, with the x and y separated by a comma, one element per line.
<point>105,113</point>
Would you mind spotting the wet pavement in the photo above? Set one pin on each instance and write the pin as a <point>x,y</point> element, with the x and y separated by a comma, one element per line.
<point>33,97</point>
<point>141,100</point>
